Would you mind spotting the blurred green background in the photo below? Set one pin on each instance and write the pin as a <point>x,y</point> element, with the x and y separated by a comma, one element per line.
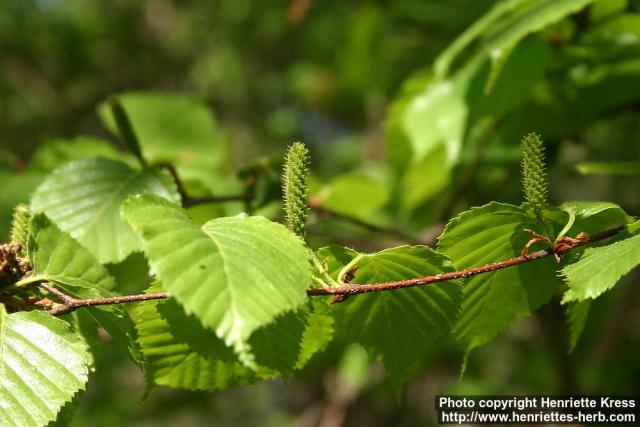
<point>401,139</point>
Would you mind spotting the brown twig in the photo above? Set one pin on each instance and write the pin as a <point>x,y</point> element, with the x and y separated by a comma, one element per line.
<point>353,289</point>
<point>194,201</point>
<point>69,303</point>
<point>316,206</point>
<point>190,201</point>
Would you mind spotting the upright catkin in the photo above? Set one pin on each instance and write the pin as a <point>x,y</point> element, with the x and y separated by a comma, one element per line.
<point>294,185</point>
<point>534,179</point>
<point>20,224</point>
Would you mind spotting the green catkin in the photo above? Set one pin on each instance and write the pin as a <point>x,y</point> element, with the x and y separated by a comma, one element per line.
<point>534,179</point>
<point>20,224</point>
<point>294,186</point>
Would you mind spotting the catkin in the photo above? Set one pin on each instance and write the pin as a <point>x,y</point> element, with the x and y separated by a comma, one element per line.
<point>534,179</point>
<point>20,224</point>
<point>294,185</point>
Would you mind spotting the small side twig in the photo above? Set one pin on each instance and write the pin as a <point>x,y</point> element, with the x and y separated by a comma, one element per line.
<point>316,206</point>
<point>190,201</point>
<point>69,303</point>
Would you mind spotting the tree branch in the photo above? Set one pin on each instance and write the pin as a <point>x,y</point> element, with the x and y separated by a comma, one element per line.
<point>70,303</point>
<point>353,289</point>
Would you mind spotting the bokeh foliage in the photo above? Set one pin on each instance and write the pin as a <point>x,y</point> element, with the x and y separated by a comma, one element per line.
<point>406,128</point>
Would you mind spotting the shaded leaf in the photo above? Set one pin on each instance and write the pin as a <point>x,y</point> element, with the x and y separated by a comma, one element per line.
<point>400,327</point>
<point>179,352</point>
<point>577,315</point>
<point>494,301</point>
<point>318,332</point>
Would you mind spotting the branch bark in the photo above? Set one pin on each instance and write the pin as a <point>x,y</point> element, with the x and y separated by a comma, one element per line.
<point>69,303</point>
<point>354,288</point>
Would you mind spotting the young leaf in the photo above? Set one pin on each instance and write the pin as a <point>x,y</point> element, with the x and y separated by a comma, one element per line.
<point>494,301</point>
<point>83,198</point>
<point>599,268</point>
<point>402,326</point>
<point>56,257</point>
<point>235,274</point>
<point>179,352</point>
<point>43,364</point>
<point>595,217</point>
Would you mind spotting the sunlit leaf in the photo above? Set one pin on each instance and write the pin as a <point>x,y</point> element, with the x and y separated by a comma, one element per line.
<point>43,364</point>
<point>235,275</point>
<point>598,269</point>
<point>59,259</point>
<point>83,198</point>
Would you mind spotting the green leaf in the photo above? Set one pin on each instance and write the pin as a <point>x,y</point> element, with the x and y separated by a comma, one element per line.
<point>68,411</point>
<point>595,217</point>
<point>83,198</point>
<point>401,327</point>
<point>235,274</point>
<point>125,129</point>
<point>43,364</point>
<point>598,269</point>
<point>56,257</point>
<point>179,352</point>
<point>506,25</point>
<point>577,315</point>
<point>277,345</point>
<point>52,154</point>
<point>175,129</point>
<point>445,60</point>
<point>494,301</point>
<point>354,194</point>
<point>609,168</point>
<point>318,332</point>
